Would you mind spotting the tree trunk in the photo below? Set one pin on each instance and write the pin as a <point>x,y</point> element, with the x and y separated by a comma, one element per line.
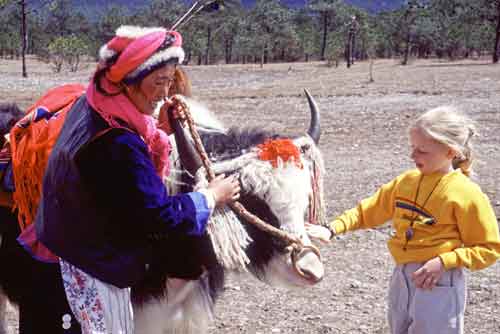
<point>407,48</point>
<point>371,70</point>
<point>209,41</point>
<point>228,50</point>
<point>23,36</point>
<point>497,37</point>
<point>325,33</point>
<point>353,47</point>
<point>348,49</point>
<point>265,56</point>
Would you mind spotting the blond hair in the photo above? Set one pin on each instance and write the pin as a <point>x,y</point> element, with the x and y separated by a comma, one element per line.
<point>449,126</point>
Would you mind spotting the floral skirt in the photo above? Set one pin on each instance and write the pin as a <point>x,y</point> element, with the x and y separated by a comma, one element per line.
<point>100,308</point>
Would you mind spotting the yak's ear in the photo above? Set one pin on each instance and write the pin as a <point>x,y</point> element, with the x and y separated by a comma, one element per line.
<point>304,144</point>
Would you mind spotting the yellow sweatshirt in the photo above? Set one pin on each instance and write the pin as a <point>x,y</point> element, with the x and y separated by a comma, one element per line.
<point>456,223</point>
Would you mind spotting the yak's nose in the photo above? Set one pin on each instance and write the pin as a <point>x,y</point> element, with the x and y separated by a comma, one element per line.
<point>310,265</point>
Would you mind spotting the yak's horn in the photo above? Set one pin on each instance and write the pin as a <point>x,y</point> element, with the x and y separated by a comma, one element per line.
<point>314,128</point>
<point>190,159</point>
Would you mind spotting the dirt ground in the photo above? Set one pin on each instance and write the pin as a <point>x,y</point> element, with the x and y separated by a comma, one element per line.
<point>364,145</point>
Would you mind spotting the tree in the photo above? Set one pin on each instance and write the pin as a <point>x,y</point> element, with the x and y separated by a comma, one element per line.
<point>353,27</point>
<point>67,49</point>
<point>270,24</point>
<point>489,11</point>
<point>497,32</point>
<point>60,18</point>
<point>22,24</point>
<point>113,17</point>
<point>409,16</point>
<point>327,10</point>
<point>162,13</point>
<point>306,33</point>
<point>9,36</point>
<point>231,25</point>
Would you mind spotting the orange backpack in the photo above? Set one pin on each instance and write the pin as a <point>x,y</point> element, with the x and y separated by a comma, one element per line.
<point>31,140</point>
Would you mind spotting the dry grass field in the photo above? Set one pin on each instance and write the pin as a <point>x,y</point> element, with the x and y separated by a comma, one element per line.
<point>364,144</point>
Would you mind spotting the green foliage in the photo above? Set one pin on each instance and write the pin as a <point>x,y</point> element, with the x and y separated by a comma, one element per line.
<point>69,50</point>
<point>267,32</point>
<point>335,49</point>
<point>4,3</point>
<point>307,34</point>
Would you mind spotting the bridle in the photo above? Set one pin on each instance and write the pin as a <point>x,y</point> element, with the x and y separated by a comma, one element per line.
<point>296,246</point>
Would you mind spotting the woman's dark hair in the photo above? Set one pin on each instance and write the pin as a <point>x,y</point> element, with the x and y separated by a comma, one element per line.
<point>98,75</point>
<point>137,79</point>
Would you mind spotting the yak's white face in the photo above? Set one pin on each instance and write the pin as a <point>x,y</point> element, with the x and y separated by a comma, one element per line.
<point>286,189</point>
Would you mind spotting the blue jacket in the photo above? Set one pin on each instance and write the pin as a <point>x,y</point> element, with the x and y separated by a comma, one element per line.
<point>102,201</point>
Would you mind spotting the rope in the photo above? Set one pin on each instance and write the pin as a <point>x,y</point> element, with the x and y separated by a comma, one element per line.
<point>238,208</point>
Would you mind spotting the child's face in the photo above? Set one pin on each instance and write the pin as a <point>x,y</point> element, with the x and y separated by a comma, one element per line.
<point>429,155</point>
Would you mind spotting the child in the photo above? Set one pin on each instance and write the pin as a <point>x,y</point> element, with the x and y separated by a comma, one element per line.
<point>443,223</point>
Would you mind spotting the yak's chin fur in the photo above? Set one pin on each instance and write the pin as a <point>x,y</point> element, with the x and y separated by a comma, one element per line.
<point>186,310</point>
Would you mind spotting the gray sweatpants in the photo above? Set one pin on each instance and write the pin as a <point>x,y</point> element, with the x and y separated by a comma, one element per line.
<point>417,311</point>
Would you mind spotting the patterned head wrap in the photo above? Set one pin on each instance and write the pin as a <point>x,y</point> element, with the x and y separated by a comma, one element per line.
<point>135,52</point>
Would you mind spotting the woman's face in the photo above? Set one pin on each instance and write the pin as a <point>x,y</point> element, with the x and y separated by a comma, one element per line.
<point>152,89</point>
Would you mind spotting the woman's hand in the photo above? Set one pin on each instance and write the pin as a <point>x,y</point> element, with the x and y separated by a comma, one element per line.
<point>177,111</point>
<point>318,233</point>
<point>225,189</point>
<point>429,274</point>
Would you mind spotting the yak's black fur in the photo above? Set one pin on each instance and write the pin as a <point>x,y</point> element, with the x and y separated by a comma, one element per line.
<point>234,143</point>
<point>9,115</point>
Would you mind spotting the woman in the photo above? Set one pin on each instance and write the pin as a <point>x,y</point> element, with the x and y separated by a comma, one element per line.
<point>103,196</point>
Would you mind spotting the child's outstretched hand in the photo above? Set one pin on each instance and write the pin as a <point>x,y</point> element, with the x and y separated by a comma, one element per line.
<point>318,233</point>
<point>429,274</point>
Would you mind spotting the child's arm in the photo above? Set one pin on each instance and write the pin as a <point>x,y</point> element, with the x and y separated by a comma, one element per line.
<point>370,212</point>
<point>479,232</point>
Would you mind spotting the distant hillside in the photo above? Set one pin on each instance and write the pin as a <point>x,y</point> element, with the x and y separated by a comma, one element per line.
<point>370,5</point>
<point>377,5</point>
